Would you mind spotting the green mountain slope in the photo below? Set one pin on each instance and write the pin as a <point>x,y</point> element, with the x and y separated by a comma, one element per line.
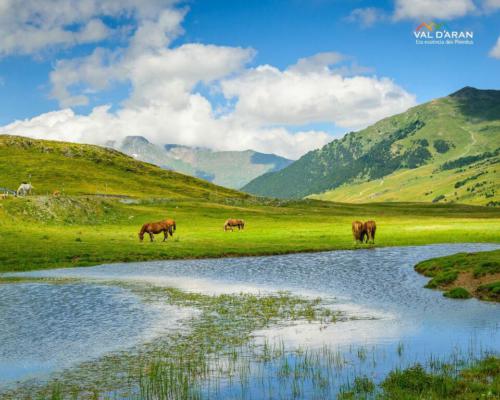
<point>231,169</point>
<point>444,150</point>
<point>86,169</point>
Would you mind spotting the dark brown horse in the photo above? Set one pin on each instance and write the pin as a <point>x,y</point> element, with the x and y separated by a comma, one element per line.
<point>358,231</point>
<point>231,223</point>
<point>167,227</point>
<point>370,227</point>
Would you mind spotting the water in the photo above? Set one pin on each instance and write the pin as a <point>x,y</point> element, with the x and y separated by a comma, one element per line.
<point>49,327</point>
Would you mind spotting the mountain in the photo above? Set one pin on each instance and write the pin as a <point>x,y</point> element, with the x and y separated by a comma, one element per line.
<point>231,169</point>
<point>78,169</point>
<point>446,150</point>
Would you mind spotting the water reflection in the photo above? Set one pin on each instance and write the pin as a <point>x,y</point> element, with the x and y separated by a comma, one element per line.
<point>47,327</point>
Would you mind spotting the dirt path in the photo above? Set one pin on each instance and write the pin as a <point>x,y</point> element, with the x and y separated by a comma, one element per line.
<point>471,144</point>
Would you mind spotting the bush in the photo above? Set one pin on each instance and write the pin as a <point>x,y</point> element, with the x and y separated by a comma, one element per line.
<point>442,146</point>
<point>438,198</point>
<point>457,293</point>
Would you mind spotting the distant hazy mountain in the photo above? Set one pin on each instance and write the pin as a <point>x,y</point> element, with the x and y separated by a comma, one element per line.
<point>446,150</point>
<point>231,169</point>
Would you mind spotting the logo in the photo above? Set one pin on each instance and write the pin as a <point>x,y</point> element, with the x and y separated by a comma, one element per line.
<point>433,33</point>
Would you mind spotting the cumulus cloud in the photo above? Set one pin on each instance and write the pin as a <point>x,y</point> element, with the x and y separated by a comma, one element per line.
<point>260,105</point>
<point>495,51</point>
<point>266,95</point>
<point>35,25</point>
<point>442,9</point>
<point>193,125</point>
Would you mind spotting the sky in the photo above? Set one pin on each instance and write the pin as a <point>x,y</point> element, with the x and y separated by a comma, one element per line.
<point>280,77</point>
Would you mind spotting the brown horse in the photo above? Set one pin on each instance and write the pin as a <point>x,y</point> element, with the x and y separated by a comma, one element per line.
<point>370,228</point>
<point>167,227</point>
<point>231,223</point>
<point>358,231</point>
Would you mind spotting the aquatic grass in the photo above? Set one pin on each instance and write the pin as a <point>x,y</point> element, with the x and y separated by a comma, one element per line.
<point>215,355</point>
<point>216,345</point>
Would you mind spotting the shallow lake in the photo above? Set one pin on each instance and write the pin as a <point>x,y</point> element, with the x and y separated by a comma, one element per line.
<point>46,327</point>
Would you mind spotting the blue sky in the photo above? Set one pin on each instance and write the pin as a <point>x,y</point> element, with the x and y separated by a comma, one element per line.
<point>369,47</point>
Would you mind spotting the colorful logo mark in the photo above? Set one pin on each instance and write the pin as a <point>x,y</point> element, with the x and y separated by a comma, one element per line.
<point>432,26</point>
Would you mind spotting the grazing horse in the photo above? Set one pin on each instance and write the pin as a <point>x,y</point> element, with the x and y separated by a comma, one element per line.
<point>167,227</point>
<point>231,223</point>
<point>358,231</point>
<point>370,228</point>
<point>24,189</point>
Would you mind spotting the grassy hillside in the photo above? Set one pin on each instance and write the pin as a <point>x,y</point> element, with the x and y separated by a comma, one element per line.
<point>77,169</point>
<point>446,150</point>
<point>82,228</point>
<point>231,169</point>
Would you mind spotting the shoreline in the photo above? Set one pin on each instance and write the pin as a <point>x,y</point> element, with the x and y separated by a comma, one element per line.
<point>464,275</point>
<point>254,255</point>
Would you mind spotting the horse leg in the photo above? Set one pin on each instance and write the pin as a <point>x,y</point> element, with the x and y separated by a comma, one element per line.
<point>165,234</point>
<point>151,236</point>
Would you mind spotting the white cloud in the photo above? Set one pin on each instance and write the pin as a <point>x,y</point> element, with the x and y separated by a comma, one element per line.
<point>31,26</point>
<point>265,95</point>
<point>495,51</point>
<point>367,17</point>
<point>442,9</point>
<point>259,104</point>
<point>192,125</point>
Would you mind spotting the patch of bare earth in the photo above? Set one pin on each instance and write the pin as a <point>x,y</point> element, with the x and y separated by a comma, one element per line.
<point>467,281</point>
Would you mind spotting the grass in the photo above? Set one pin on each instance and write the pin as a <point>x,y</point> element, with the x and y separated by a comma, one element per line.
<point>396,159</point>
<point>106,197</point>
<point>478,273</point>
<point>214,345</point>
<point>458,293</point>
<point>215,354</point>
<point>47,232</point>
<point>480,379</point>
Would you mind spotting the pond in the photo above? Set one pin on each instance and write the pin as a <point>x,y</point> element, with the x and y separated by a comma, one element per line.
<point>46,328</point>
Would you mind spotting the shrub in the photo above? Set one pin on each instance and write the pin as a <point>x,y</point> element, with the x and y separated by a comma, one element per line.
<point>442,146</point>
<point>457,293</point>
<point>438,198</point>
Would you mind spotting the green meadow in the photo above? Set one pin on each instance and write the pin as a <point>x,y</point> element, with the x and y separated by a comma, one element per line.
<point>106,196</point>
<point>46,232</point>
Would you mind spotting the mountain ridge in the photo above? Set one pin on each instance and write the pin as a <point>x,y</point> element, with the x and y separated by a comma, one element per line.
<point>465,123</point>
<point>231,169</point>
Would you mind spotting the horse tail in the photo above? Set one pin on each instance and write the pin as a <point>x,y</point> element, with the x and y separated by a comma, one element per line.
<point>171,228</point>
